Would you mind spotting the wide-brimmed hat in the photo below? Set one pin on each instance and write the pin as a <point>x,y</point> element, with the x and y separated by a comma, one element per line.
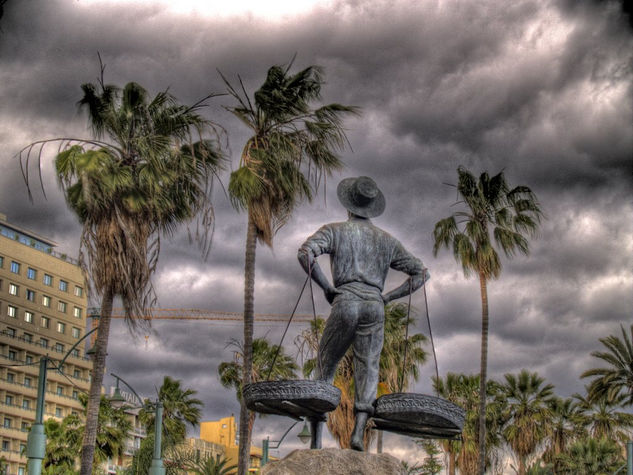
<point>361,196</point>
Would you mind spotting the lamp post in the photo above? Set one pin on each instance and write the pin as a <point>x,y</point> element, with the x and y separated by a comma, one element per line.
<point>157,467</point>
<point>36,441</point>
<point>304,436</point>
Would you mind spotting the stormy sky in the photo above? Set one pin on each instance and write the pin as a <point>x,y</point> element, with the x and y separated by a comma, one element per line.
<point>539,89</point>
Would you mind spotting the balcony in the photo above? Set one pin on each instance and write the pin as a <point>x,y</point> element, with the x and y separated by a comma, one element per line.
<point>39,348</point>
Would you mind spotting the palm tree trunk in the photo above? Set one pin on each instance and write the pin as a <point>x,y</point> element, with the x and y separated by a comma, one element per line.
<point>94,398</point>
<point>379,443</point>
<point>249,299</point>
<point>451,463</point>
<point>483,373</point>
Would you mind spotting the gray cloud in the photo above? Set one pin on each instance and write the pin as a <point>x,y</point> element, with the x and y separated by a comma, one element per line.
<point>540,89</point>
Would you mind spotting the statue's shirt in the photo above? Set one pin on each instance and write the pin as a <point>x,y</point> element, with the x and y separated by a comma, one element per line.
<point>360,257</point>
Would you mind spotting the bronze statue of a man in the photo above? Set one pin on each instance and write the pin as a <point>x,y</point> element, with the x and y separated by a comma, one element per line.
<point>360,257</point>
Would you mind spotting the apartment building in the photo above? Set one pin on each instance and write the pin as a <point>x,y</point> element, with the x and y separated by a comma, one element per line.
<point>42,312</point>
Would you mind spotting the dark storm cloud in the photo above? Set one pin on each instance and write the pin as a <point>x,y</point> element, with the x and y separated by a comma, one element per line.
<point>539,89</point>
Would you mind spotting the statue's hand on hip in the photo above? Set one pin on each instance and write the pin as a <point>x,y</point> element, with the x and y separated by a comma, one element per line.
<point>331,293</point>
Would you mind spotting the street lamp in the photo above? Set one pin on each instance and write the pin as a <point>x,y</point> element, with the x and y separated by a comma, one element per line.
<point>304,437</point>
<point>36,441</point>
<point>157,467</point>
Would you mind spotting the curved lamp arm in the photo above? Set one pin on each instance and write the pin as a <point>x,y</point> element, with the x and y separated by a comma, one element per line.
<point>142,404</point>
<point>278,442</point>
<point>61,364</point>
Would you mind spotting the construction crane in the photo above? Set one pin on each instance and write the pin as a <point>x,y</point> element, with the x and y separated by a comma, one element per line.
<point>203,314</point>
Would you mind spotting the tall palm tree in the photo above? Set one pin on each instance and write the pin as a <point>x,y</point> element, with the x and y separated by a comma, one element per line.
<point>291,147</point>
<point>179,409</point>
<point>494,214</point>
<point>618,376</point>
<point>528,414</point>
<point>263,354</point>
<point>147,169</point>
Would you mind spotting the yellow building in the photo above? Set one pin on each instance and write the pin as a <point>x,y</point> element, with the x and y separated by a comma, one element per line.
<point>224,432</point>
<point>42,311</point>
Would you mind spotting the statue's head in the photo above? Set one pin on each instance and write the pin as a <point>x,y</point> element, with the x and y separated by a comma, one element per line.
<point>361,196</point>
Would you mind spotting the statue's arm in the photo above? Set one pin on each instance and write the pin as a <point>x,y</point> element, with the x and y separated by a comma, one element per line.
<point>316,245</point>
<point>405,262</point>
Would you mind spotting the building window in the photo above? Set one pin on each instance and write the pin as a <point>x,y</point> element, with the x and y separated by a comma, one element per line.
<point>76,373</point>
<point>26,404</point>
<point>77,312</point>
<point>75,332</point>
<point>61,327</point>
<point>58,412</point>
<point>6,446</point>
<point>75,394</point>
<point>12,311</point>
<point>7,422</point>
<point>15,267</point>
<point>28,316</point>
<point>28,338</point>
<point>31,273</point>
<point>59,347</point>
<point>63,285</point>
<point>8,400</point>
<point>25,428</point>
<point>76,352</point>
<point>43,342</point>
<point>46,301</point>
<point>27,381</point>
<point>1,261</point>
<point>60,391</point>
<point>21,470</point>
<point>14,289</point>
<point>11,332</point>
<point>30,295</point>
<point>79,291</point>
<point>48,279</point>
<point>46,322</point>
<point>28,359</point>
<point>10,377</point>
<point>12,355</point>
<point>61,306</point>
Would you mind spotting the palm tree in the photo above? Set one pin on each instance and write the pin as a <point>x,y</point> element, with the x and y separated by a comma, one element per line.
<point>64,439</point>
<point>528,414</point>
<point>566,427</point>
<point>603,419</point>
<point>618,376</point>
<point>291,147</point>
<point>140,176</point>
<point>179,408</point>
<point>463,390</point>
<point>494,214</point>
<point>591,457</point>
<point>231,372</point>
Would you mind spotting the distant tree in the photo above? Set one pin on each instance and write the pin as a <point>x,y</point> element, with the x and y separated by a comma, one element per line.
<point>64,439</point>
<point>292,147</point>
<point>263,355</point>
<point>617,377</point>
<point>493,214</point>
<point>179,409</point>
<point>529,414</point>
<point>591,457</point>
<point>566,427</point>
<point>463,390</point>
<point>604,419</point>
